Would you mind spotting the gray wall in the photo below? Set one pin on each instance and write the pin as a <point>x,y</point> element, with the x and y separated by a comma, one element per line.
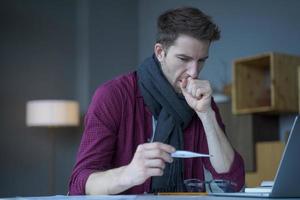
<point>45,54</point>
<point>37,46</point>
<point>113,39</point>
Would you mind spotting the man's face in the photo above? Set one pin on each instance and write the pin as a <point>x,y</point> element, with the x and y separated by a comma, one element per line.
<point>185,58</point>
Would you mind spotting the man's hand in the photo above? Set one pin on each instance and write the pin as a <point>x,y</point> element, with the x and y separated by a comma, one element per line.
<point>197,94</point>
<point>149,160</point>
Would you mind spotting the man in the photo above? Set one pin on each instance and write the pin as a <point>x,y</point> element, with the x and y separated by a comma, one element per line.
<point>137,120</point>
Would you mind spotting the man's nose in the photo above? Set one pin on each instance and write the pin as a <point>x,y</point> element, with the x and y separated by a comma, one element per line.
<point>193,71</point>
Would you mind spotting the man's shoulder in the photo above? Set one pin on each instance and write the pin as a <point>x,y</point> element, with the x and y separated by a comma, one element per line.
<point>128,80</point>
<point>123,85</point>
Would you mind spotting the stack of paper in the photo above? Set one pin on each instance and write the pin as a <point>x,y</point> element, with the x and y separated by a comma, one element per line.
<point>265,186</point>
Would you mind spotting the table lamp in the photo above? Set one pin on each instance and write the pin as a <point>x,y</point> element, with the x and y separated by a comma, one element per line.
<point>52,114</point>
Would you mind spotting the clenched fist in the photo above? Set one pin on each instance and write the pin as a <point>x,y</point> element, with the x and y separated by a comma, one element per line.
<point>197,94</point>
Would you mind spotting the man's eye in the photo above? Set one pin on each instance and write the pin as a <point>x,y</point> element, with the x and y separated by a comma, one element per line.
<point>201,61</point>
<point>183,59</point>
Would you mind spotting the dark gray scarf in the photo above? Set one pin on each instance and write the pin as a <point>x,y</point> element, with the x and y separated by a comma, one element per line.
<point>173,115</point>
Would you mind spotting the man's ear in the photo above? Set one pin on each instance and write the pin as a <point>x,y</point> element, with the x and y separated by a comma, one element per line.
<point>159,51</point>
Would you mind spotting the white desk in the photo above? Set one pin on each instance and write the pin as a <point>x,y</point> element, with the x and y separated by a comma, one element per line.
<point>137,197</point>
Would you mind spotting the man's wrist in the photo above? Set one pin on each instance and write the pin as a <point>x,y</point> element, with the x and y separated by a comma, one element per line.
<point>207,114</point>
<point>125,180</point>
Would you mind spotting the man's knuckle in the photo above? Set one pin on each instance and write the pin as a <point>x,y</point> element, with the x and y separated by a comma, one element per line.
<point>158,145</point>
<point>161,163</point>
<point>158,152</point>
<point>140,147</point>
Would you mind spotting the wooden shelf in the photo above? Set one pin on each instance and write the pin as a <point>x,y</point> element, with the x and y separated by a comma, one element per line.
<point>265,83</point>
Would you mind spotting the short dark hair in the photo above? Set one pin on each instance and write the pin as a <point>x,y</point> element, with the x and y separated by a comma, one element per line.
<point>188,21</point>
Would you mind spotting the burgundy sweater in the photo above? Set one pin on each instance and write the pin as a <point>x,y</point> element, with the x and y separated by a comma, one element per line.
<point>118,120</point>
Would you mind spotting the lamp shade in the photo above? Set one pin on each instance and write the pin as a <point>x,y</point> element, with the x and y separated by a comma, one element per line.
<point>52,113</point>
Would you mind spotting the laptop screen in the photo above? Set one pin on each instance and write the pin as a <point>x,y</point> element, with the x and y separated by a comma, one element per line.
<point>287,179</point>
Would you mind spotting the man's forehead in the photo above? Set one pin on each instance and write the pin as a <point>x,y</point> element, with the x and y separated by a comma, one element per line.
<point>189,52</point>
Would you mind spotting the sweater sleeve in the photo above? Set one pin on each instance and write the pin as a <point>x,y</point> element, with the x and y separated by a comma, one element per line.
<point>236,173</point>
<point>98,141</point>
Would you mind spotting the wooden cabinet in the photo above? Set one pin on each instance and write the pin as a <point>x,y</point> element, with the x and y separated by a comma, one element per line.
<point>265,83</point>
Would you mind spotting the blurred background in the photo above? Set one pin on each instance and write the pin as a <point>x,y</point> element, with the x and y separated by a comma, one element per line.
<point>64,49</point>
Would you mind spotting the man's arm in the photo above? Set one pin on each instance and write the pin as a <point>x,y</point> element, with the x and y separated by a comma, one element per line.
<point>106,182</point>
<point>198,95</point>
<point>218,144</point>
<point>149,160</point>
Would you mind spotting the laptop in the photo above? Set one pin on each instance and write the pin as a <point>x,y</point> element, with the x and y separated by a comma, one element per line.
<point>287,179</point>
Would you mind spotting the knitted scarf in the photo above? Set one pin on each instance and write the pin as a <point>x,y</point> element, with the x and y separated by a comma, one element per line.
<point>173,115</point>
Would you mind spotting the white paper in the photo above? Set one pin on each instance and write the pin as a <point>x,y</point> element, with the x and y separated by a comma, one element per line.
<point>84,197</point>
<point>267,184</point>
<point>258,189</point>
<point>188,154</point>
